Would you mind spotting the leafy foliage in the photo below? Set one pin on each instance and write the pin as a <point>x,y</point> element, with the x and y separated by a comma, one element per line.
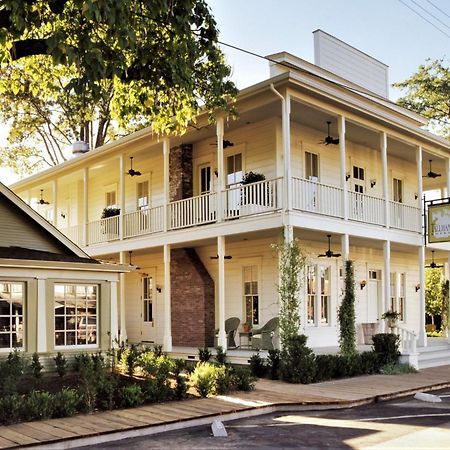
<point>386,346</point>
<point>433,291</point>
<point>204,355</point>
<point>298,363</point>
<point>346,313</point>
<point>61,364</point>
<point>257,365</point>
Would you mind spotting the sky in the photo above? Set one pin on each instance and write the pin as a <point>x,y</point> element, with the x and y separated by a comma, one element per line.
<point>388,30</point>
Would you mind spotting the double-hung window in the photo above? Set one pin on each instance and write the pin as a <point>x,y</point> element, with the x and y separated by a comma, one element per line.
<point>251,294</point>
<point>318,294</point>
<point>11,315</point>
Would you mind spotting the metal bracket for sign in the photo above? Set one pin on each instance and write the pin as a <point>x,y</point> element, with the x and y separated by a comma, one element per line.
<point>426,204</point>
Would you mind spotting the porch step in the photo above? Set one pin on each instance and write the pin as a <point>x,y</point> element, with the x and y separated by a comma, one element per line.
<point>434,356</point>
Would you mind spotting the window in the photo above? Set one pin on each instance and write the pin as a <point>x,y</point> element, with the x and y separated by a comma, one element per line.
<point>311,293</point>
<point>142,197</point>
<point>392,291</point>
<point>234,169</point>
<point>76,307</point>
<point>205,179</point>
<point>318,293</point>
<point>251,297</point>
<point>110,199</point>
<point>358,178</point>
<point>397,190</point>
<point>311,166</point>
<point>11,315</point>
<point>324,275</point>
<point>402,296</point>
<point>147,298</point>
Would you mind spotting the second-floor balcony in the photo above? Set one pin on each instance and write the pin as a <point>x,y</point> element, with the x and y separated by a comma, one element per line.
<point>241,201</point>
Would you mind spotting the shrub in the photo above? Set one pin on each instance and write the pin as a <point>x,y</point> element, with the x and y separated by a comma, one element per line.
<point>131,396</point>
<point>36,366</point>
<point>204,355</point>
<point>273,364</point>
<point>397,369</point>
<point>326,367</point>
<point>128,359</point>
<point>243,379</point>
<point>386,346</point>
<point>257,365</point>
<point>65,403</point>
<point>10,408</point>
<point>221,355</point>
<point>158,350</point>
<point>298,364</point>
<point>204,378</point>
<point>346,314</point>
<point>369,362</point>
<point>158,370</point>
<point>38,406</point>
<point>11,372</point>
<point>105,389</point>
<point>61,364</point>
<point>224,379</point>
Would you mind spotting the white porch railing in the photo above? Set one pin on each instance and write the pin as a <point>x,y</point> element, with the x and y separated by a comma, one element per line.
<point>74,233</point>
<point>316,197</point>
<point>144,221</point>
<point>103,230</point>
<point>365,208</point>
<point>408,340</point>
<point>256,198</point>
<point>192,211</point>
<point>404,217</point>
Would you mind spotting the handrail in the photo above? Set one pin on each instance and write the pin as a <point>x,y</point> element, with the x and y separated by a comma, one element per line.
<point>408,340</point>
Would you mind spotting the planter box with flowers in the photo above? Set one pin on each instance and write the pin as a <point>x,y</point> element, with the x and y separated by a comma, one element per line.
<point>255,198</point>
<point>391,318</point>
<point>110,222</point>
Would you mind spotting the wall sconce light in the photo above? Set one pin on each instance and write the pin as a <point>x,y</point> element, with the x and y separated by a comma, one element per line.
<point>416,196</point>
<point>63,215</point>
<point>225,257</point>
<point>216,172</point>
<point>363,284</point>
<point>373,183</point>
<point>158,289</point>
<point>417,287</point>
<point>347,176</point>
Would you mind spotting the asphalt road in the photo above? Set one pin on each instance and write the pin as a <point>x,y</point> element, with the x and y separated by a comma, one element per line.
<point>398,424</point>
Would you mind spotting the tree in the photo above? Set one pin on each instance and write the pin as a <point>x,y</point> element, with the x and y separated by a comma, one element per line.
<point>346,313</point>
<point>140,61</point>
<point>428,93</point>
<point>433,292</point>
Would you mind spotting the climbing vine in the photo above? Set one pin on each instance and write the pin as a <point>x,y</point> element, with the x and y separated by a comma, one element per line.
<point>346,313</point>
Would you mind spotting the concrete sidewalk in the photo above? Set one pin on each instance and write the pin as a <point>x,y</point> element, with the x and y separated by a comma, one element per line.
<point>269,396</point>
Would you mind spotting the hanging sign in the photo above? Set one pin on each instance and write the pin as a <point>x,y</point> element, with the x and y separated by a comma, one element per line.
<point>438,225</point>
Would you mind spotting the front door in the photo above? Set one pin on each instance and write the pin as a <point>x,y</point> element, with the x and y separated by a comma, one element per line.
<point>374,297</point>
<point>148,306</point>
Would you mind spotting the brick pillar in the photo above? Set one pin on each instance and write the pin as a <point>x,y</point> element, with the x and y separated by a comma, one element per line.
<point>192,300</point>
<point>181,172</point>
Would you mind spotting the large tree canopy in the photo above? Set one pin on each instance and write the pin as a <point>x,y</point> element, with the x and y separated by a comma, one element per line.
<point>71,64</point>
<point>428,93</point>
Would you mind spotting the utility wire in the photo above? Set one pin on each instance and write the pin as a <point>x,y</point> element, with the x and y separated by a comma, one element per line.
<point>439,9</point>
<point>430,14</point>
<point>424,18</point>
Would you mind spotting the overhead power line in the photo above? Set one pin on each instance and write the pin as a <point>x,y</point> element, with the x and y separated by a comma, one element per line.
<point>439,9</point>
<point>430,14</point>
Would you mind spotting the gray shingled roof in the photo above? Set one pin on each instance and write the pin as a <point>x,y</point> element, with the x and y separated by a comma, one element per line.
<point>38,255</point>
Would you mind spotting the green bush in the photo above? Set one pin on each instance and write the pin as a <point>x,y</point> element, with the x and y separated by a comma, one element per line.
<point>10,408</point>
<point>11,372</point>
<point>128,359</point>
<point>369,362</point>
<point>397,369</point>
<point>221,355</point>
<point>386,346</point>
<point>273,364</point>
<point>326,367</point>
<point>257,365</point>
<point>204,378</point>
<point>36,366</point>
<point>61,364</point>
<point>65,403</point>
<point>106,386</point>
<point>298,363</point>
<point>224,379</point>
<point>158,350</point>
<point>204,355</point>
<point>39,405</point>
<point>131,396</point>
<point>243,379</point>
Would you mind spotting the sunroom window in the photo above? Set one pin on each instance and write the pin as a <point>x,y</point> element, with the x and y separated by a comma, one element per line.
<point>76,310</point>
<point>11,315</point>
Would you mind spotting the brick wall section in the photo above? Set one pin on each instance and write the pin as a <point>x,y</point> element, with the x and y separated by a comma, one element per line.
<point>180,172</point>
<point>192,300</point>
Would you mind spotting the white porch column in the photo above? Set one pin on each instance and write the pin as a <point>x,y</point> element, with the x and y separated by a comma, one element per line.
<point>41,317</point>
<point>386,280</point>
<point>122,319</point>
<point>448,318</point>
<point>345,243</point>
<point>385,177</point>
<point>447,166</point>
<point>114,316</point>
<point>221,253</point>
<point>122,194</point>
<point>55,202</point>
<point>220,169</point>
<point>422,338</point>
<point>167,300</point>
<point>85,206</point>
<point>286,123</point>
<point>166,153</point>
<point>419,158</point>
<point>343,168</point>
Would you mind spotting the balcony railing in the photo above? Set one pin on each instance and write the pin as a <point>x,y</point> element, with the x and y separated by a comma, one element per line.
<point>249,200</point>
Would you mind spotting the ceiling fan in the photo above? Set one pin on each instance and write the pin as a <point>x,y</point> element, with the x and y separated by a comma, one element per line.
<point>329,139</point>
<point>431,174</point>
<point>226,144</point>
<point>131,171</point>
<point>41,201</point>
<point>433,265</point>
<point>329,253</point>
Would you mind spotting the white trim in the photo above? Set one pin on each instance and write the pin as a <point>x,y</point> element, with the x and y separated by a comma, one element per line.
<point>41,316</point>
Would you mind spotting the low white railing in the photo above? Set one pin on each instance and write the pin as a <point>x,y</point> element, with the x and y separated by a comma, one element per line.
<point>103,230</point>
<point>365,208</point>
<point>408,340</point>
<point>192,211</point>
<point>404,217</point>
<point>144,221</point>
<point>74,233</point>
<point>316,197</point>
<point>256,198</point>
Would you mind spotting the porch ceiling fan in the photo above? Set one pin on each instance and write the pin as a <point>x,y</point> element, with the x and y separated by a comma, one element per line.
<point>329,139</point>
<point>41,201</point>
<point>131,171</point>
<point>329,253</point>
<point>431,174</point>
<point>433,265</point>
<point>226,143</point>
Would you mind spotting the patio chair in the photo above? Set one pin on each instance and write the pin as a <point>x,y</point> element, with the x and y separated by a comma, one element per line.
<point>231,326</point>
<point>262,338</point>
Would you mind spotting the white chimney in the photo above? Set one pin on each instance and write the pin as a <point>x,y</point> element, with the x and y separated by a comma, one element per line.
<point>79,148</point>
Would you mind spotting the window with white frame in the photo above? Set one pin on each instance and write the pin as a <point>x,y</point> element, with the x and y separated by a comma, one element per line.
<point>234,169</point>
<point>318,293</point>
<point>12,296</point>
<point>397,190</point>
<point>142,195</point>
<point>402,296</point>
<point>392,292</point>
<point>76,310</point>
<point>251,294</point>
<point>358,179</point>
<point>110,199</point>
<point>311,166</point>
<point>311,294</point>
<point>324,277</point>
<point>205,179</point>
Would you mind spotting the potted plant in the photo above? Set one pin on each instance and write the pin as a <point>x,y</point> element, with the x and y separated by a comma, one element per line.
<point>111,228</point>
<point>246,327</point>
<point>254,199</point>
<point>391,317</point>
<point>110,211</point>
